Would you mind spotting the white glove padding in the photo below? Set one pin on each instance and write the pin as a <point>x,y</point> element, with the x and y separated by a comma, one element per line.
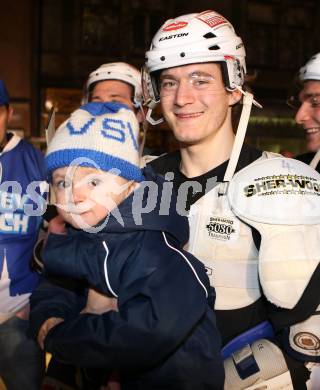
<point>314,381</point>
<point>259,366</point>
<point>280,197</point>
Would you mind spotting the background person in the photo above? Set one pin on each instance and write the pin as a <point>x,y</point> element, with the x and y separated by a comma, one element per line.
<point>307,103</point>
<point>21,360</point>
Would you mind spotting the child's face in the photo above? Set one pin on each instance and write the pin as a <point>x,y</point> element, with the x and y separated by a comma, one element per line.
<point>85,196</point>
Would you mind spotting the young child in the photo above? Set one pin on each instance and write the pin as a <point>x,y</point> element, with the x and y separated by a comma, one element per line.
<point>144,307</point>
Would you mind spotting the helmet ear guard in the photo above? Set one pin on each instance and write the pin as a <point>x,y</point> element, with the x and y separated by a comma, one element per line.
<point>150,90</point>
<point>233,76</point>
<point>232,73</point>
<point>151,94</point>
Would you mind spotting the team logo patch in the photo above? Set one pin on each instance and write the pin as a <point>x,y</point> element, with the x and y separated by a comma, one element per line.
<point>306,340</point>
<point>283,185</point>
<point>223,229</point>
<point>212,19</point>
<point>175,26</point>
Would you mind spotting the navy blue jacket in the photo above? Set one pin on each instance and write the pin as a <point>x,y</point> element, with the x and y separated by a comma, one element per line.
<point>164,335</point>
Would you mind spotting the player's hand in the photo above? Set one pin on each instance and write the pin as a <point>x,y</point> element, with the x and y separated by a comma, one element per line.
<point>98,303</point>
<point>57,225</point>
<point>45,327</point>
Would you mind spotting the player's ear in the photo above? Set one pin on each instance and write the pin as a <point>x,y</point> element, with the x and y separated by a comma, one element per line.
<point>234,97</point>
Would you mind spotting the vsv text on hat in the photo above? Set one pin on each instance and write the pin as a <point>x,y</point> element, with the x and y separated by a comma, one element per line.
<point>106,133</point>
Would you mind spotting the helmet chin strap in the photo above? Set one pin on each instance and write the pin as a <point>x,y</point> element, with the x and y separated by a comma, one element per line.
<point>314,162</point>
<point>239,139</point>
<point>254,102</point>
<point>145,126</point>
<point>152,121</point>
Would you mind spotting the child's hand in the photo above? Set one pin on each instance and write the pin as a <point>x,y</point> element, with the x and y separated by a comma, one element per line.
<point>45,327</point>
<point>98,303</point>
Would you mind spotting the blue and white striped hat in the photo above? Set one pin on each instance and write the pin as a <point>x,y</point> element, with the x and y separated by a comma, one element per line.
<point>99,135</point>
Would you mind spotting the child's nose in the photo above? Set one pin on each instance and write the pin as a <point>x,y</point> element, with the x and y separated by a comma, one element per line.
<point>78,193</point>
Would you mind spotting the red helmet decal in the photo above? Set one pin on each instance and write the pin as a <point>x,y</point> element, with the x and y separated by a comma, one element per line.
<point>175,26</point>
<point>211,18</point>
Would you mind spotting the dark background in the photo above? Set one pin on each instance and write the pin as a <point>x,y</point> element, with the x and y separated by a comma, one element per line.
<point>48,47</point>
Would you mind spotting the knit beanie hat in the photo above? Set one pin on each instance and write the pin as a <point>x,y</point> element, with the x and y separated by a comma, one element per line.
<point>98,135</point>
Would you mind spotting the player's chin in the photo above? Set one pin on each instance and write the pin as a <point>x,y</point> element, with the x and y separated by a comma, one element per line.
<point>313,146</point>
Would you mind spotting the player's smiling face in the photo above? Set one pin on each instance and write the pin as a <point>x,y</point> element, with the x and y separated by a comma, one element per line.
<point>195,102</point>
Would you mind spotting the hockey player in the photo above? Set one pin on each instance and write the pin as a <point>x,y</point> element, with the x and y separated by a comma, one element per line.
<point>115,82</point>
<point>195,68</point>
<point>307,103</point>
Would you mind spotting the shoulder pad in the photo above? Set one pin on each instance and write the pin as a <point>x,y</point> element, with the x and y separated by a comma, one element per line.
<point>277,191</point>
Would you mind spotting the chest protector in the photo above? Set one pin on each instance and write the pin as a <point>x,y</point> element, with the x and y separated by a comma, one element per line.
<point>225,245</point>
<point>280,197</point>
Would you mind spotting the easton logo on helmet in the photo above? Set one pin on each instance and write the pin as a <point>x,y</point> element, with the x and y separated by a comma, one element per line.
<point>174,36</point>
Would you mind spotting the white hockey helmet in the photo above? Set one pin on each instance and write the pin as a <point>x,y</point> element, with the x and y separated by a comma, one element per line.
<point>116,71</point>
<point>311,70</point>
<point>194,38</point>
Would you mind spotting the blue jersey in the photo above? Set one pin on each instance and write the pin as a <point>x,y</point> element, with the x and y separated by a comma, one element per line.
<point>22,193</point>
